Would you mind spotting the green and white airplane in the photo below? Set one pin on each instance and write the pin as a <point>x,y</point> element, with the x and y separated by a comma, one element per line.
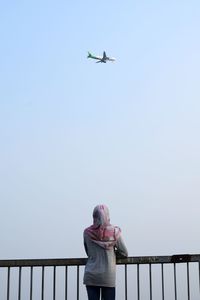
<point>101,59</point>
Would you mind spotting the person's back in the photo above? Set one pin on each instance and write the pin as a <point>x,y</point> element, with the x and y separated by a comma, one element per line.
<point>100,241</point>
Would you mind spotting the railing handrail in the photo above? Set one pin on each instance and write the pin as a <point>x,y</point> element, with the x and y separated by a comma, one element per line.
<point>180,258</point>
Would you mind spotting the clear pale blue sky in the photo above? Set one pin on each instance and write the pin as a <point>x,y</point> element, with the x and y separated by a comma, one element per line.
<point>74,133</point>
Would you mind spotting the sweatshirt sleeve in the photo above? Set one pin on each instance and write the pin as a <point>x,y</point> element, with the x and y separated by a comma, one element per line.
<point>85,243</point>
<point>120,248</point>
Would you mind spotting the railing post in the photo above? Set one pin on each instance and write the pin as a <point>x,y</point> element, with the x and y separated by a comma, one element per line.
<point>175,288</point>
<point>66,281</point>
<point>31,283</point>
<point>54,283</point>
<point>19,287</point>
<point>163,285</point>
<point>199,277</point>
<point>8,284</point>
<point>188,281</point>
<point>150,282</point>
<point>126,286</point>
<point>42,287</point>
<point>77,282</point>
<point>138,282</point>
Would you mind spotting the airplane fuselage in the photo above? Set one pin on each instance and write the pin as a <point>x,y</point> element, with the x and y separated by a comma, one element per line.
<point>101,59</point>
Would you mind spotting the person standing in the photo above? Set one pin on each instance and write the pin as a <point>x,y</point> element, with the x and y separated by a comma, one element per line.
<point>101,241</point>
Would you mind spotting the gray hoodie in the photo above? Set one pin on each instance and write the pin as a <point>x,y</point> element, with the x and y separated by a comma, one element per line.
<point>100,269</point>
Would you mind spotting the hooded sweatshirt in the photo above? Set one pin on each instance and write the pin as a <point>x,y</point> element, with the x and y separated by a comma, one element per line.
<point>100,241</point>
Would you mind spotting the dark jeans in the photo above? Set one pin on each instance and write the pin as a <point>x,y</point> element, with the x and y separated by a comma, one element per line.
<point>108,293</point>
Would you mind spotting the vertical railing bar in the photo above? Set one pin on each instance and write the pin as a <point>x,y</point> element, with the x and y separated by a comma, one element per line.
<point>54,283</point>
<point>138,282</point>
<point>19,287</point>
<point>42,288</point>
<point>8,284</point>
<point>77,283</point>
<point>199,277</point>
<point>163,286</point>
<point>188,281</point>
<point>31,283</point>
<point>125,270</point>
<point>66,281</point>
<point>175,287</point>
<point>150,282</point>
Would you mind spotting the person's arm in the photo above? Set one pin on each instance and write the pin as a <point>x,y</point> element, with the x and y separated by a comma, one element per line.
<point>120,248</point>
<point>85,244</point>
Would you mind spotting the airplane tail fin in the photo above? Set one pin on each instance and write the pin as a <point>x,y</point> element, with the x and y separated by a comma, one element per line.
<point>89,55</point>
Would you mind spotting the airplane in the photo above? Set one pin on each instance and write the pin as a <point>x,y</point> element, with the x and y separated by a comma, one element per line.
<point>101,59</point>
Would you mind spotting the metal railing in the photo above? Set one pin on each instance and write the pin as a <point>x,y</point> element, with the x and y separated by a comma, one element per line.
<point>140,278</point>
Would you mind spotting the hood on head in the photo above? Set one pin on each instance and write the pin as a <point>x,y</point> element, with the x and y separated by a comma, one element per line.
<point>101,215</point>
